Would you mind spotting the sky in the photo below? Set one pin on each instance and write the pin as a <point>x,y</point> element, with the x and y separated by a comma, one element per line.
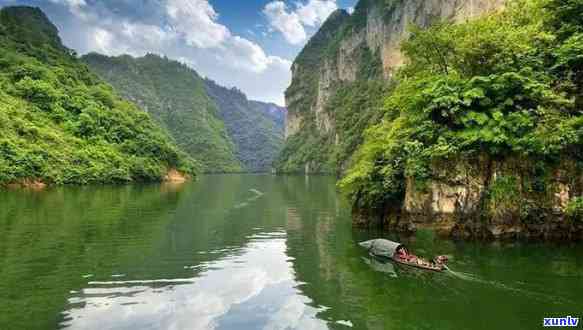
<point>248,44</point>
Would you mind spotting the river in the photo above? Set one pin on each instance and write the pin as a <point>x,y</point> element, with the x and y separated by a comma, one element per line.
<point>254,252</point>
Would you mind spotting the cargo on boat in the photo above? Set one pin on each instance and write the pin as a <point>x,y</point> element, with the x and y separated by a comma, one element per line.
<point>398,253</point>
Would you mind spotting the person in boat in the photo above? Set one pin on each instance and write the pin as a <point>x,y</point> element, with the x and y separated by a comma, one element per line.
<point>403,254</point>
<point>440,260</point>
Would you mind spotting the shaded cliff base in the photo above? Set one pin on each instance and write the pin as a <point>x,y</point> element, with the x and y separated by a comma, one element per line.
<point>468,229</point>
<point>486,198</point>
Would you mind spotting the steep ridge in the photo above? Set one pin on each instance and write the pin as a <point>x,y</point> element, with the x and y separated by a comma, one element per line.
<point>218,126</point>
<point>61,124</point>
<point>341,74</point>
<point>460,115</point>
<point>255,127</point>
<point>175,96</point>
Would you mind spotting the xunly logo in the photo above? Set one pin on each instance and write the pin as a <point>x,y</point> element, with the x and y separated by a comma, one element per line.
<point>560,321</point>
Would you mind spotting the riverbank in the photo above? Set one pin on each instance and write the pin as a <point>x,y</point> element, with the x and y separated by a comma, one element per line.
<point>34,184</point>
<point>72,254</point>
<point>487,198</point>
<point>172,176</point>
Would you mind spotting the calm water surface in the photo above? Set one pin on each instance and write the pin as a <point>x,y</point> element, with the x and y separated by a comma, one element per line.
<point>254,252</point>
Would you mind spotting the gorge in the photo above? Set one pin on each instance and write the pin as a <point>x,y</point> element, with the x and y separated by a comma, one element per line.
<point>461,115</point>
<point>217,126</point>
<point>63,123</point>
<point>140,189</point>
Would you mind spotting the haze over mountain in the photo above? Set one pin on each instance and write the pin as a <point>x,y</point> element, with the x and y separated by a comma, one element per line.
<point>255,127</point>
<point>217,126</point>
<point>175,96</point>
<point>245,44</point>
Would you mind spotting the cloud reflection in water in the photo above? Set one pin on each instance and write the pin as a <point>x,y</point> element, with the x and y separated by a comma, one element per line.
<point>255,289</point>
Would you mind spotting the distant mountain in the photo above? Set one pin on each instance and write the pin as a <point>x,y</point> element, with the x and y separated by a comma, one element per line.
<point>217,126</point>
<point>175,96</point>
<point>275,112</point>
<point>61,124</point>
<point>255,127</point>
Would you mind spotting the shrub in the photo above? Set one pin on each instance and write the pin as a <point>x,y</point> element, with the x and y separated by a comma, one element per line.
<point>574,209</point>
<point>502,85</point>
<point>79,135</point>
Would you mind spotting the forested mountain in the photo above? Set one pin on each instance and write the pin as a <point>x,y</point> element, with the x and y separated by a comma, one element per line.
<point>465,114</point>
<point>217,126</point>
<point>255,127</point>
<point>340,77</point>
<point>176,97</point>
<point>273,111</point>
<point>60,123</point>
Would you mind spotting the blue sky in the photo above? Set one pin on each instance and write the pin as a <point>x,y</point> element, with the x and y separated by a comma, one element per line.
<point>249,44</point>
<point>247,18</point>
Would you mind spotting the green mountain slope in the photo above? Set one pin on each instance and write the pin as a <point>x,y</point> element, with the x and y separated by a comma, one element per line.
<point>60,123</point>
<point>175,96</point>
<point>483,129</point>
<point>463,113</point>
<point>255,127</point>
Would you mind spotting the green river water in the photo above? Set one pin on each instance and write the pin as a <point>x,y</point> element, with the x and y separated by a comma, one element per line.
<point>255,252</point>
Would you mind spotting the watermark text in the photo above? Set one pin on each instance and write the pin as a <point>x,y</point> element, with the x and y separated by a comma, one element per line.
<point>567,321</point>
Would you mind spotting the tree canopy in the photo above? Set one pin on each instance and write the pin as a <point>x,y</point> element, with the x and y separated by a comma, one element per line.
<point>60,123</point>
<point>506,84</point>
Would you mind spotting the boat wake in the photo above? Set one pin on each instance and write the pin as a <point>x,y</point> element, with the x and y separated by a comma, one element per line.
<point>463,276</point>
<point>529,293</point>
<point>257,194</point>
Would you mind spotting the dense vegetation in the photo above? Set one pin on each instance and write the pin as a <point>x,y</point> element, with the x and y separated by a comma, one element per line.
<point>175,96</point>
<point>505,85</point>
<point>353,106</point>
<point>60,123</point>
<point>255,127</point>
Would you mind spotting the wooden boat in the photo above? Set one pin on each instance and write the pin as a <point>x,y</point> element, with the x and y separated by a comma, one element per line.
<point>399,254</point>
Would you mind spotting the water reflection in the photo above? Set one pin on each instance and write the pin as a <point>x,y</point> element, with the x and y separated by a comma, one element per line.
<point>379,265</point>
<point>252,289</point>
<point>53,241</point>
<point>254,252</point>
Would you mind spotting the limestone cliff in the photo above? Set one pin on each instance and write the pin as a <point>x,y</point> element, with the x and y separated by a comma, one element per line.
<point>351,52</point>
<point>484,197</point>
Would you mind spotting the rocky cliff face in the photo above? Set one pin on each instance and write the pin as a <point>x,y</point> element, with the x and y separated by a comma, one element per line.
<point>488,198</point>
<point>340,82</point>
<point>363,46</point>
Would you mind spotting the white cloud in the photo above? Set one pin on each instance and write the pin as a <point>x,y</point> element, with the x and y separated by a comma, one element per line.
<point>70,3</point>
<point>350,10</point>
<point>197,21</point>
<point>75,6</point>
<point>186,30</point>
<point>102,39</point>
<point>292,23</point>
<point>288,23</point>
<point>145,33</point>
<point>247,55</point>
<point>315,12</point>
